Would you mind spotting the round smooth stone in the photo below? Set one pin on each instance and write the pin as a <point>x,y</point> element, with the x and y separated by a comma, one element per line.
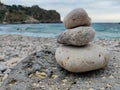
<point>82,59</point>
<point>78,36</point>
<point>75,18</point>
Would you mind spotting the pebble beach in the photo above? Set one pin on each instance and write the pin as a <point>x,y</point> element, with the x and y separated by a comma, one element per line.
<point>15,48</point>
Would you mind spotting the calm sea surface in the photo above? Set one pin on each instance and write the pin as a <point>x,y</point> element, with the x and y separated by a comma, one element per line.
<point>103,30</point>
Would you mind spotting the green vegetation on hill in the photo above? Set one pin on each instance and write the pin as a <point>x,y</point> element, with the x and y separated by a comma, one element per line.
<point>1,16</point>
<point>2,12</point>
<point>21,14</point>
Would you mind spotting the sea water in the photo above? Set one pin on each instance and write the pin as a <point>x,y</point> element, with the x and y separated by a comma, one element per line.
<point>103,30</point>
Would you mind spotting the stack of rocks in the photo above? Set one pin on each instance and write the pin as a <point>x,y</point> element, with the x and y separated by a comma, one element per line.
<point>77,53</point>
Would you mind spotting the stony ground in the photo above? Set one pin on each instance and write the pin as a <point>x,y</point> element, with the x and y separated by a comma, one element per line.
<point>14,48</point>
<point>39,70</point>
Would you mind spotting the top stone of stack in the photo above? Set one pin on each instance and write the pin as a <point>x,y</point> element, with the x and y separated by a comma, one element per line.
<point>75,18</point>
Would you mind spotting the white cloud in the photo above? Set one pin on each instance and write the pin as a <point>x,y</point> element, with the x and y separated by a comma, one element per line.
<point>105,17</point>
<point>98,10</point>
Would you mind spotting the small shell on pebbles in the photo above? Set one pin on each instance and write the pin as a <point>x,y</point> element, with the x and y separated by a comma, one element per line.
<point>38,74</point>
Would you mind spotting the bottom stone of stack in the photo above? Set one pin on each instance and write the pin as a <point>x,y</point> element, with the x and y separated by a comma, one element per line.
<point>82,59</point>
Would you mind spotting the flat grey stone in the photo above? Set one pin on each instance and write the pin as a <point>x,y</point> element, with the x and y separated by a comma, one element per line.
<point>78,36</point>
<point>2,67</point>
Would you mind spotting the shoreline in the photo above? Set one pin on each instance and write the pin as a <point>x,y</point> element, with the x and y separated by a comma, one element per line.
<point>14,48</point>
<point>32,23</point>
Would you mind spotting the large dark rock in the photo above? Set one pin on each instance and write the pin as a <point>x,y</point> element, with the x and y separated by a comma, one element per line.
<point>39,71</point>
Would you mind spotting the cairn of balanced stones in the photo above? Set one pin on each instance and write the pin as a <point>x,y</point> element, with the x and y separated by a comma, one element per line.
<point>77,53</point>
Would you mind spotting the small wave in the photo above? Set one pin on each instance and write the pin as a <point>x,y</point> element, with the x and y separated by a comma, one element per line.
<point>103,30</point>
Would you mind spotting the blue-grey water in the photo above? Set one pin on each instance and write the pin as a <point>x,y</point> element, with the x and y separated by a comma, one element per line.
<point>103,30</point>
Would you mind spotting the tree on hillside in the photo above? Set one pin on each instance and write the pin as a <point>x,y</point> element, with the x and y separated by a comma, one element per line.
<point>1,3</point>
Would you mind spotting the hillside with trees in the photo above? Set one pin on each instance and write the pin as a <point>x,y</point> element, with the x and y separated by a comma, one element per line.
<point>22,14</point>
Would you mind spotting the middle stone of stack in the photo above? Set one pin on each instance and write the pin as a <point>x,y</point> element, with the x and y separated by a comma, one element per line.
<point>79,36</point>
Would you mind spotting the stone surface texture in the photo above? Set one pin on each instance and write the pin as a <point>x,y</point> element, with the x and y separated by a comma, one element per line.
<point>82,59</point>
<point>78,36</point>
<point>75,18</point>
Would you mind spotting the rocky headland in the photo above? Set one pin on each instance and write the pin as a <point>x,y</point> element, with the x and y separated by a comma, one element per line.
<point>17,14</point>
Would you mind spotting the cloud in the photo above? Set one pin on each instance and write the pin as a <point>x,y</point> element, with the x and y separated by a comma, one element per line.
<point>99,10</point>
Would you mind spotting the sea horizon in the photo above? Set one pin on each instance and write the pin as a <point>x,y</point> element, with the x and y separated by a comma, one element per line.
<point>53,23</point>
<point>103,30</point>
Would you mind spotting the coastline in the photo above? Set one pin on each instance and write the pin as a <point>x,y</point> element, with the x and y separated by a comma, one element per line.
<point>14,48</point>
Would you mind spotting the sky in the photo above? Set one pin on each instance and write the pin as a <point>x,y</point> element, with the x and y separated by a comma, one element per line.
<point>98,10</point>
